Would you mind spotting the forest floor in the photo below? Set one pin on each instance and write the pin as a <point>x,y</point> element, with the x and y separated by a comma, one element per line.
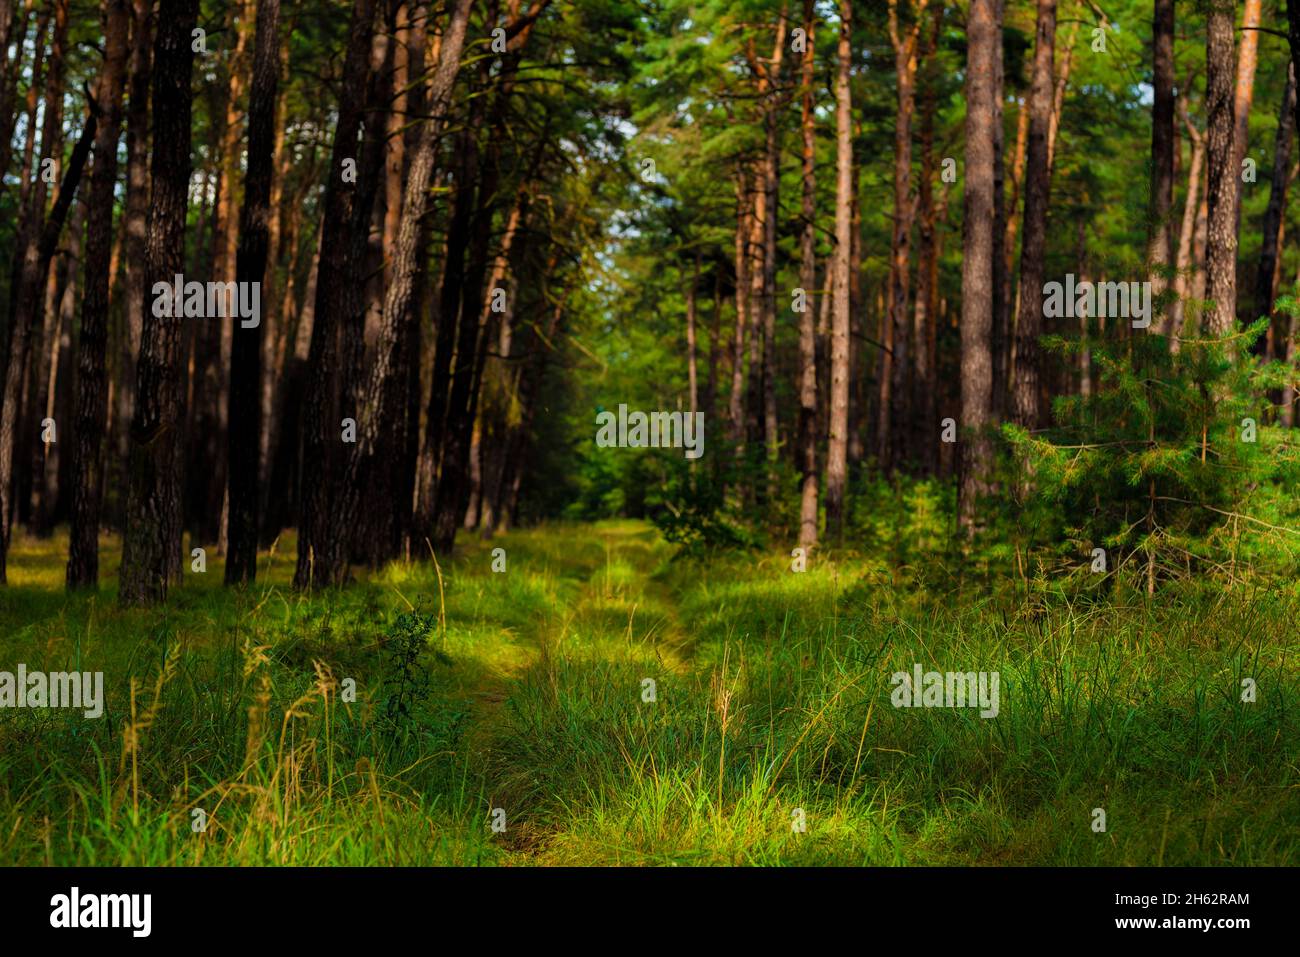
<point>600,702</point>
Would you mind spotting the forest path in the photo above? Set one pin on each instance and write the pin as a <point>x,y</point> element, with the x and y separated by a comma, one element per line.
<point>609,601</point>
<point>630,593</point>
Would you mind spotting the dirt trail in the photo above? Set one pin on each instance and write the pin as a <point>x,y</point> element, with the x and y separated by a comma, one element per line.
<point>619,597</point>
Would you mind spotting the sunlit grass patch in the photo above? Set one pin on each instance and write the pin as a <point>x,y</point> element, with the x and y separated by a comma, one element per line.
<point>619,706</point>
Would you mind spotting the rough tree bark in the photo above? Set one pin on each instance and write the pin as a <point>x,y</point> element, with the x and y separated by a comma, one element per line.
<point>135,226</point>
<point>736,409</point>
<point>1183,261</point>
<point>925,400</point>
<point>1029,325</point>
<point>1001,333</point>
<point>449,306</point>
<point>245,415</point>
<point>322,545</point>
<point>385,388</point>
<point>807,438</point>
<point>692,378</point>
<point>899,420</point>
<point>151,550</point>
<point>1009,292</point>
<point>1221,229</point>
<point>1160,247</point>
<point>1293,37</point>
<point>1244,96</point>
<point>837,450</point>
<point>1266,276</point>
<point>771,183</point>
<point>9,73</point>
<point>92,344</point>
<point>982,29</point>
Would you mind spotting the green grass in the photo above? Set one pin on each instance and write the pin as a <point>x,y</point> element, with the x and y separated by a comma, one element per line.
<point>772,698</point>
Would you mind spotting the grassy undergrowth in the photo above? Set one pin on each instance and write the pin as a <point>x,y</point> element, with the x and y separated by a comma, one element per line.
<point>526,691</point>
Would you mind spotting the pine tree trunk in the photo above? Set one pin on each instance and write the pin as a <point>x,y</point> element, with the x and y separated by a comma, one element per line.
<point>151,550</point>
<point>1266,276</point>
<point>1081,269</point>
<point>60,399</point>
<point>1058,97</point>
<point>807,280</point>
<point>709,399</point>
<point>1160,249</point>
<point>395,159</point>
<point>9,83</point>
<point>217,372</point>
<point>982,27</point>
<point>277,296</point>
<point>1293,36</point>
<point>772,182</point>
<point>61,292</point>
<point>13,31</point>
<point>92,344</point>
<point>362,299</point>
<point>462,399</point>
<point>1199,245</point>
<point>389,382</point>
<point>692,379</point>
<point>925,398</point>
<point>398,476</point>
<point>859,403</point>
<point>754,375</point>
<point>501,381</point>
<point>40,375</point>
<point>245,416</point>
<point>899,420</point>
<point>288,423</point>
<point>448,312</point>
<point>824,349</point>
<point>1001,333</point>
<point>1010,293</point>
<point>1029,323</point>
<point>1221,231</point>
<point>773,179</point>
<point>1184,261</point>
<point>1244,96</point>
<point>322,544</point>
<point>736,411</point>
<point>837,451</point>
<point>134,229</point>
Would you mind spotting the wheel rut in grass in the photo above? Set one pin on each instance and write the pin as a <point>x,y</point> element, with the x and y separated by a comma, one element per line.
<point>611,613</point>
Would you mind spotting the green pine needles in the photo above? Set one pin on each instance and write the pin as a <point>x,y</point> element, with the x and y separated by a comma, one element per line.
<point>1173,464</point>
